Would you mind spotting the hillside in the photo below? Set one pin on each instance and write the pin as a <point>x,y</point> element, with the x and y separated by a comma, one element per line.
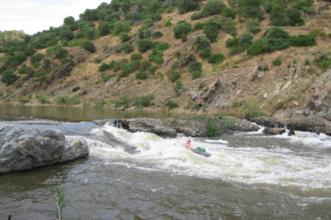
<point>234,57</point>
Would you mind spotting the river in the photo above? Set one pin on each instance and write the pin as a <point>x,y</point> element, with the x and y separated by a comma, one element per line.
<point>144,176</point>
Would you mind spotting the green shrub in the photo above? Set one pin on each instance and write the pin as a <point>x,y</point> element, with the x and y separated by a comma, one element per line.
<point>143,101</point>
<point>283,16</point>
<point>198,26</point>
<point>188,5</point>
<point>275,39</point>
<point>67,100</point>
<point>47,65</point>
<point>250,9</point>
<point>182,29</point>
<point>213,7</point>
<point>75,89</point>
<point>174,75</point>
<point>142,75</point>
<point>211,29</point>
<point>156,56</point>
<point>43,100</point>
<point>294,17</point>
<point>238,45</point>
<point>278,14</point>
<point>58,52</point>
<point>161,46</point>
<point>36,58</point>
<point>40,75</point>
<point>123,101</point>
<point>144,33</point>
<point>14,60</point>
<point>89,15</point>
<point>104,67</point>
<point>121,26</point>
<point>229,26</point>
<point>216,58</point>
<point>267,6</point>
<point>258,47</point>
<point>253,26</point>
<point>127,69</point>
<point>66,34</point>
<point>157,34</point>
<point>303,40</point>
<point>323,61</point>
<point>136,56</point>
<point>212,129</point>
<point>8,77</point>
<point>203,46</point>
<point>277,61</point>
<point>145,45</point>
<point>89,46</point>
<point>168,23</point>
<point>195,69</point>
<point>307,63</point>
<point>105,77</point>
<point>124,37</point>
<point>69,20</point>
<point>26,70</point>
<point>126,48</point>
<point>171,104</point>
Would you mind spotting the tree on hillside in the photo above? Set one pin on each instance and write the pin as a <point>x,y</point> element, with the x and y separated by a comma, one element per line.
<point>69,20</point>
<point>188,5</point>
<point>250,8</point>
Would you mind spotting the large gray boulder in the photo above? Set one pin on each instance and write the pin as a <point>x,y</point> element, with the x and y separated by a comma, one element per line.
<point>24,149</point>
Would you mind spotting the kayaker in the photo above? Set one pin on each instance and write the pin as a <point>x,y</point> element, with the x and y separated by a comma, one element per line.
<point>188,144</point>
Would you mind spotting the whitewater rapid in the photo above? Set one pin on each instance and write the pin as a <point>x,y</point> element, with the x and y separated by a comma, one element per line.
<point>271,164</point>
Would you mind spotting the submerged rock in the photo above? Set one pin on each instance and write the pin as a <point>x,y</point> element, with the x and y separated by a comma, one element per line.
<point>274,131</point>
<point>24,149</point>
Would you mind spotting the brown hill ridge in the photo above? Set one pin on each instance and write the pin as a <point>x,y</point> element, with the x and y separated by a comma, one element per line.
<point>285,82</point>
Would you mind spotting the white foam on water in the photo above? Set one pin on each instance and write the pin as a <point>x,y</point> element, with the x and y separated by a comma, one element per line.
<point>217,141</point>
<point>308,139</point>
<point>273,165</point>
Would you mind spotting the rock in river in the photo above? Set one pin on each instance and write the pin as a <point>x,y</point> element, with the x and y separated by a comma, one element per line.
<point>274,131</point>
<point>24,149</point>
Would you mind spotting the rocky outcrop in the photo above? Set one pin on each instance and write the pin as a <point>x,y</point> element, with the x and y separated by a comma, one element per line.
<point>24,149</point>
<point>193,128</point>
<point>240,125</point>
<point>268,122</point>
<point>156,126</point>
<point>311,124</point>
<point>320,99</point>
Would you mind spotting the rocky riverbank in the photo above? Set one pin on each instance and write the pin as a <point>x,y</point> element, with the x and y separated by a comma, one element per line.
<point>313,124</point>
<point>193,127</point>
